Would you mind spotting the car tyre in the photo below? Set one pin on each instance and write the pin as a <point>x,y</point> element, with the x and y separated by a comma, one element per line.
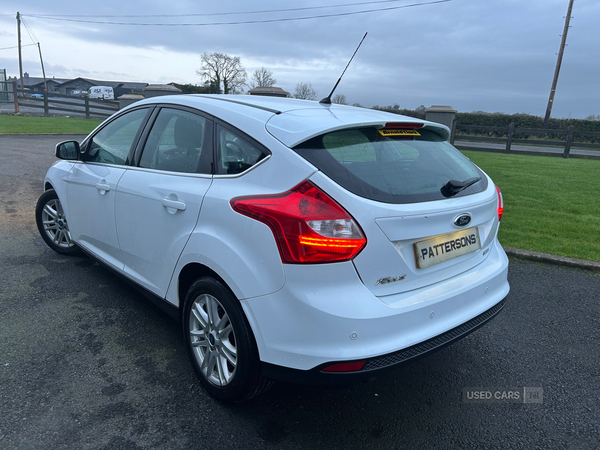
<point>220,343</point>
<point>52,224</point>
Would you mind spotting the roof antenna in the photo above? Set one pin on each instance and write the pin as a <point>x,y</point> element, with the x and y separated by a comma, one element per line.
<point>327,100</point>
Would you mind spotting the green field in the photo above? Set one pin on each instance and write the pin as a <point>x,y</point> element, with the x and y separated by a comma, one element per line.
<point>551,204</point>
<point>46,125</point>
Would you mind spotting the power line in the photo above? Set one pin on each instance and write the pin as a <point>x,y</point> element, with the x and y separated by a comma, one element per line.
<point>29,31</point>
<point>265,11</point>
<point>16,46</point>
<point>286,19</point>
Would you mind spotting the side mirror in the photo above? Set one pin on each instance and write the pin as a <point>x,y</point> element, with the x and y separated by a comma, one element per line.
<point>67,150</point>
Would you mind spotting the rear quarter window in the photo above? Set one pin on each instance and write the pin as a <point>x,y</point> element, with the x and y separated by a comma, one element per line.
<point>235,152</point>
<point>391,169</point>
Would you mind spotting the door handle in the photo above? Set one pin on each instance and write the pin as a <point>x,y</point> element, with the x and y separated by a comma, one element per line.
<point>173,205</point>
<point>103,187</point>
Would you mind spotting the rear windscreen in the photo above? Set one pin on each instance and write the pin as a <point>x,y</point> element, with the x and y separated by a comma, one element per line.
<point>405,167</point>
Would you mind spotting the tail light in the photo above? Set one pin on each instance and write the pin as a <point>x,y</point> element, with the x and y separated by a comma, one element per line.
<point>500,204</point>
<point>309,226</point>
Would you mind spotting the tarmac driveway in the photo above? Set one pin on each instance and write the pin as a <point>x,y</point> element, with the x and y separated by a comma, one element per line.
<point>87,363</point>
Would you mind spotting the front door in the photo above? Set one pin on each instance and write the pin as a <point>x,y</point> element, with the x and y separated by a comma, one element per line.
<point>92,183</point>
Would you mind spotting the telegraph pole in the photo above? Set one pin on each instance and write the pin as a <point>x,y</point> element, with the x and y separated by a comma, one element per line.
<point>43,71</point>
<point>558,63</point>
<point>20,59</point>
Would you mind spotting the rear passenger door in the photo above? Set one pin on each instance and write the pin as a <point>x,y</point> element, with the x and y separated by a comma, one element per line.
<point>159,200</point>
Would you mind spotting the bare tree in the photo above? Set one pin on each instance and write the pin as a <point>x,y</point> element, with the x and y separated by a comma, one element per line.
<point>262,77</point>
<point>223,70</point>
<point>340,99</point>
<point>305,91</point>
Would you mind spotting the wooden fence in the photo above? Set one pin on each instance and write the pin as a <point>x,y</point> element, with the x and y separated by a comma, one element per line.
<point>554,138</point>
<point>61,103</point>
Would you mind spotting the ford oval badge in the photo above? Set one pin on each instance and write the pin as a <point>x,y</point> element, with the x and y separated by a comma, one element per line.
<point>463,220</point>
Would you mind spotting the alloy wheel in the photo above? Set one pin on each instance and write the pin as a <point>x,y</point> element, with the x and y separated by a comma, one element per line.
<point>55,224</point>
<point>213,340</point>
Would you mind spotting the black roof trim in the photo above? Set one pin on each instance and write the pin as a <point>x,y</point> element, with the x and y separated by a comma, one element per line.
<point>264,108</point>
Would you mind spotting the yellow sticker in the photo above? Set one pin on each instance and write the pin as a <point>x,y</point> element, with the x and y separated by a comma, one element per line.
<point>397,132</point>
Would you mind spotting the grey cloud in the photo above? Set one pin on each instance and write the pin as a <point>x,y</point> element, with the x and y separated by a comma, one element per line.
<point>495,56</point>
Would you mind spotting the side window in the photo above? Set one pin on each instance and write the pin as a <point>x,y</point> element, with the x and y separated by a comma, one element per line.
<point>111,145</point>
<point>175,142</point>
<point>235,154</point>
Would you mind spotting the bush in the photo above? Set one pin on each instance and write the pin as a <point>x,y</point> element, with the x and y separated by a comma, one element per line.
<point>503,120</point>
<point>529,121</point>
<point>417,114</point>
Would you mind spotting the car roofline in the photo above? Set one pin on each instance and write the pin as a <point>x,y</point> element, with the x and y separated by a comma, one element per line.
<point>282,107</point>
<point>252,105</point>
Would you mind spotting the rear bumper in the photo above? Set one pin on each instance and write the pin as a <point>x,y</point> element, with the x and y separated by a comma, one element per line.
<point>325,315</point>
<point>376,366</point>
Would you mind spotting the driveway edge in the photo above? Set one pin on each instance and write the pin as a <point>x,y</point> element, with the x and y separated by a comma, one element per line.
<point>553,259</point>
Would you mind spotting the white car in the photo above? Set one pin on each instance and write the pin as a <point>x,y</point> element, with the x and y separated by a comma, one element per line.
<point>294,240</point>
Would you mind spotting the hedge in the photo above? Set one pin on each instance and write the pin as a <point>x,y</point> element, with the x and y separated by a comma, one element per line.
<point>520,121</point>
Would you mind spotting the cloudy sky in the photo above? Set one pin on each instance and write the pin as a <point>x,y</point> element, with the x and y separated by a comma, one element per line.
<point>490,55</point>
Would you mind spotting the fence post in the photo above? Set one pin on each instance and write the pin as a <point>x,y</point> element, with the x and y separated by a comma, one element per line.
<point>15,98</point>
<point>569,141</point>
<point>509,138</point>
<point>87,107</point>
<point>46,103</point>
<point>436,113</point>
<point>453,131</point>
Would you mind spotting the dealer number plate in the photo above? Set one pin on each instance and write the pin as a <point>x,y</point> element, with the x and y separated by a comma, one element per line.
<point>446,246</point>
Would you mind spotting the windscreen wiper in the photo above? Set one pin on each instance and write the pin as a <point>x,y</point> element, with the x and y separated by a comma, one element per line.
<point>453,187</point>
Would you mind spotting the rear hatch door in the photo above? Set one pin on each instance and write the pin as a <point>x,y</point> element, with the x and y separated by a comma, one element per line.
<point>427,212</point>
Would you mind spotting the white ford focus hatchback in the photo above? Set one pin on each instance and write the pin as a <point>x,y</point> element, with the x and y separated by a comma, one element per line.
<point>293,240</point>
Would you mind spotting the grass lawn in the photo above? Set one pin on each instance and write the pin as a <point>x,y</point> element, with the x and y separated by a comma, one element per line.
<point>551,205</point>
<point>45,125</point>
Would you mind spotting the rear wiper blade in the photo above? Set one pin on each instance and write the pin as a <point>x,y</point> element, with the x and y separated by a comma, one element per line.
<point>453,187</point>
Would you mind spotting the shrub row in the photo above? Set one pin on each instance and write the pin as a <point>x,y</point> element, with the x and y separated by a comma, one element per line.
<point>526,121</point>
<point>504,120</point>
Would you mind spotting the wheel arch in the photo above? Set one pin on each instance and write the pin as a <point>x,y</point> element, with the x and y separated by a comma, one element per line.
<point>190,273</point>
